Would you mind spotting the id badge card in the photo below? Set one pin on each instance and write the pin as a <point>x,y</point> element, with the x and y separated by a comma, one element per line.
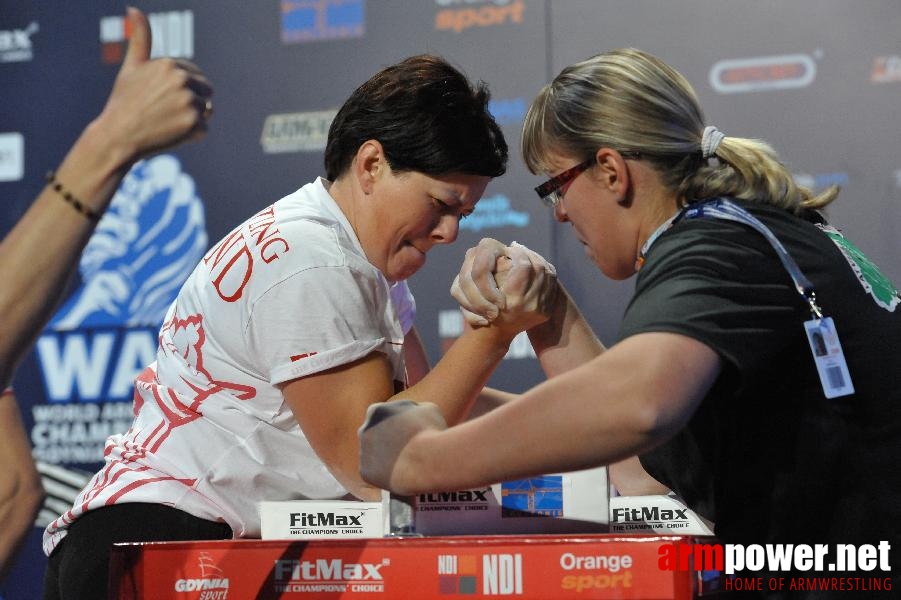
<point>829,358</point>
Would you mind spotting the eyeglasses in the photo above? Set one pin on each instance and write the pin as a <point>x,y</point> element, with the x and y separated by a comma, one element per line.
<point>551,191</point>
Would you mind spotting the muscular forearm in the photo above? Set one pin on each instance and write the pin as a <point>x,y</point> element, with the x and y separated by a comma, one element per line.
<point>617,405</point>
<point>489,399</point>
<point>458,378</point>
<point>547,431</point>
<point>565,340</point>
<point>40,253</point>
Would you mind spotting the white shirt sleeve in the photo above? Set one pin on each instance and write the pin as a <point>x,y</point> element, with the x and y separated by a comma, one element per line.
<point>318,319</point>
<point>404,304</point>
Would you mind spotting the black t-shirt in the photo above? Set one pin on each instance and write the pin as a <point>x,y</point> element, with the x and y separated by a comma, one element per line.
<point>767,456</point>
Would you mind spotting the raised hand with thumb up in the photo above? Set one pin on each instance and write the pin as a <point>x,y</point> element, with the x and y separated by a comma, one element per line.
<point>154,104</point>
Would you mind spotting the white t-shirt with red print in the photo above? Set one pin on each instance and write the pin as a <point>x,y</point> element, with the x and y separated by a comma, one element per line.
<point>288,293</point>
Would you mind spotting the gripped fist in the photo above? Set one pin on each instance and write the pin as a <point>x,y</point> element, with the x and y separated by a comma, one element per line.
<point>385,436</point>
<point>511,287</point>
<point>475,286</point>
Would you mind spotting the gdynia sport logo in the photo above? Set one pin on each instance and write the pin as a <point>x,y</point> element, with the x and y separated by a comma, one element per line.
<point>785,566</point>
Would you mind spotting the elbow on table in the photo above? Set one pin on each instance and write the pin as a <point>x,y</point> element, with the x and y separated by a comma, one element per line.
<point>656,421</point>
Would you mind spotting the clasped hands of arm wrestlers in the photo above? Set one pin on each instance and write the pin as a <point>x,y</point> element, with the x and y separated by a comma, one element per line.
<point>597,407</point>
<point>508,289</point>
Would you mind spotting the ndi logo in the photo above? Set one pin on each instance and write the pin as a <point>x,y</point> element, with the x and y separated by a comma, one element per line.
<point>314,20</point>
<point>501,574</point>
<point>457,574</point>
<point>173,35</point>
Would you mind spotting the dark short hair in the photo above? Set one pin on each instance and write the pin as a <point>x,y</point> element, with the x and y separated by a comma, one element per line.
<point>427,116</point>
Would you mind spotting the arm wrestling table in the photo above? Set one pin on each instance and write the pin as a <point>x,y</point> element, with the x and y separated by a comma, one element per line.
<point>545,567</point>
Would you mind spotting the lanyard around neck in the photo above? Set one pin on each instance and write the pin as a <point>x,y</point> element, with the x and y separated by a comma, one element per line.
<point>828,355</point>
<point>722,208</point>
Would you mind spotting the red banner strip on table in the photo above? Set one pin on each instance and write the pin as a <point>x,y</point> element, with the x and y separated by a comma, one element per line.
<point>589,567</point>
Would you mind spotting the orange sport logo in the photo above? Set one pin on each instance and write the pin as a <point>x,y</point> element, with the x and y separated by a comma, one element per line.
<point>455,18</point>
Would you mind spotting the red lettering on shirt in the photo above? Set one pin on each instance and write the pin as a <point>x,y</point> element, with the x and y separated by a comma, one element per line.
<point>231,262</point>
<point>230,279</point>
<point>259,226</point>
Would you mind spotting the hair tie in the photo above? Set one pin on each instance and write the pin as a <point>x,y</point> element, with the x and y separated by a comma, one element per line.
<point>710,141</point>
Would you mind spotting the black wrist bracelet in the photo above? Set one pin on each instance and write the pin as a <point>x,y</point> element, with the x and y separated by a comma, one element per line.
<point>66,195</point>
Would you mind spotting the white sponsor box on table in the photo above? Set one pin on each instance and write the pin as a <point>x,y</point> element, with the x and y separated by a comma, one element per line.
<point>322,519</point>
<point>575,502</point>
<point>655,514</point>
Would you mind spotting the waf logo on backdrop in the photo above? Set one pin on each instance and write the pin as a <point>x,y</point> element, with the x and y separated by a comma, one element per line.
<point>763,73</point>
<point>15,44</point>
<point>501,574</point>
<point>211,584</point>
<point>173,35</point>
<point>459,15</point>
<point>145,246</point>
<point>316,20</point>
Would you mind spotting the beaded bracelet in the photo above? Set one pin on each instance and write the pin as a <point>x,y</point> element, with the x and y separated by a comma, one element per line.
<point>66,195</point>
